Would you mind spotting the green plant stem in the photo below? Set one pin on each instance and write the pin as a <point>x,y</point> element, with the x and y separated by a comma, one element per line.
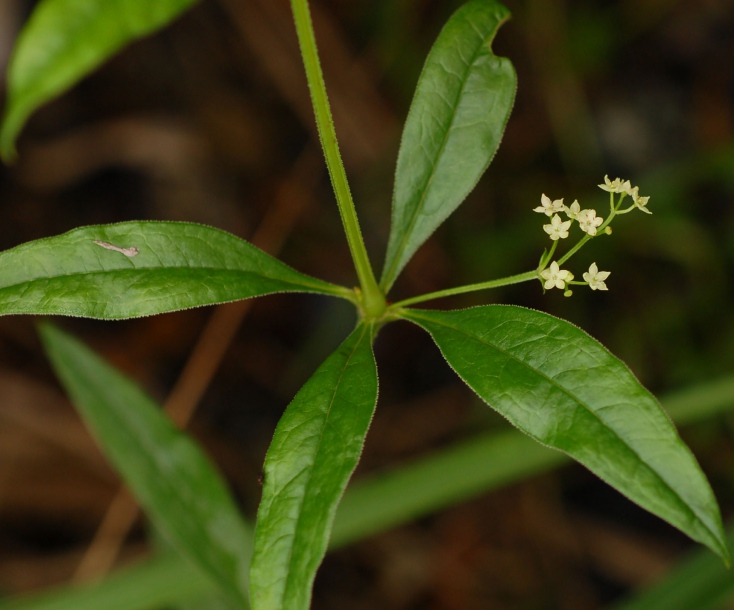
<point>581,242</point>
<point>547,256</point>
<point>504,281</point>
<point>372,297</point>
<point>575,249</point>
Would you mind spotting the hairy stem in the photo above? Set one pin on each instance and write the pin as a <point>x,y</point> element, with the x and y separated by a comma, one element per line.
<point>505,281</point>
<point>372,298</point>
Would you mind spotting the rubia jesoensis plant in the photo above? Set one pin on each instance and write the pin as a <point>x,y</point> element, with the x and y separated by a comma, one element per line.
<point>547,377</point>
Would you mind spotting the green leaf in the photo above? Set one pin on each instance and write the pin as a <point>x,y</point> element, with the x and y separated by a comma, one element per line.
<point>565,390</point>
<point>169,474</point>
<point>65,40</point>
<point>314,451</point>
<point>461,106</point>
<point>177,266</point>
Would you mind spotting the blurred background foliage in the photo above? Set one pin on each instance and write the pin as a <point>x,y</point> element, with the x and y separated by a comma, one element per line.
<point>209,121</point>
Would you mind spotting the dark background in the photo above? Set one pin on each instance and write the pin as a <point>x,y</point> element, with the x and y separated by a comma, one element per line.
<point>209,121</point>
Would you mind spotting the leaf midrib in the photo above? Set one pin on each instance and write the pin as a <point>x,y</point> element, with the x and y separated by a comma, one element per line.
<point>311,466</point>
<point>60,277</point>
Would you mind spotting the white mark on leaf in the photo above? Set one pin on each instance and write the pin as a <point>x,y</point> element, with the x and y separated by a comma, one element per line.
<point>129,252</point>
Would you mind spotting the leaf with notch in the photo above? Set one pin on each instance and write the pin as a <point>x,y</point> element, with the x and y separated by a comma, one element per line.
<point>456,120</point>
<point>63,41</point>
<point>136,269</point>
<point>565,390</point>
<point>315,449</point>
<point>171,477</point>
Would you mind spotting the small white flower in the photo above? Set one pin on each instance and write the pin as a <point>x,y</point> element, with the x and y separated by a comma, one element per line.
<point>573,210</point>
<point>615,186</point>
<point>596,278</point>
<point>589,221</point>
<point>557,229</point>
<point>608,185</point>
<point>640,202</point>
<point>549,207</point>
<point>555,277</point>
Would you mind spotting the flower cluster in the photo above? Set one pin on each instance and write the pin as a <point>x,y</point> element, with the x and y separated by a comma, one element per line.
<point>555,277</point>
<point>558,229</point>
<point>552,275</point>
<point>625,188</point>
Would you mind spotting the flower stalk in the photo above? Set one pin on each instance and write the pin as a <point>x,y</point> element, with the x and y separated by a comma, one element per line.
<point>549,271</point>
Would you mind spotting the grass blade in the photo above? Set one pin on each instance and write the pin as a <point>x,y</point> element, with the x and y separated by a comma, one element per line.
<point>155,583</point>
<point>699,581</point>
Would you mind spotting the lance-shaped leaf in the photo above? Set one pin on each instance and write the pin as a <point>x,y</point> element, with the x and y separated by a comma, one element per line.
<point>565,390</point>
<point>63,41</point>
<point>141,268</point>
<point>314,451</point>
<point>461,105</point>
<point>169,474</point>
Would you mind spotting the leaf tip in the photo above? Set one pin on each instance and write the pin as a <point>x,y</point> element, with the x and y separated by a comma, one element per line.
<point>725,555</point>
